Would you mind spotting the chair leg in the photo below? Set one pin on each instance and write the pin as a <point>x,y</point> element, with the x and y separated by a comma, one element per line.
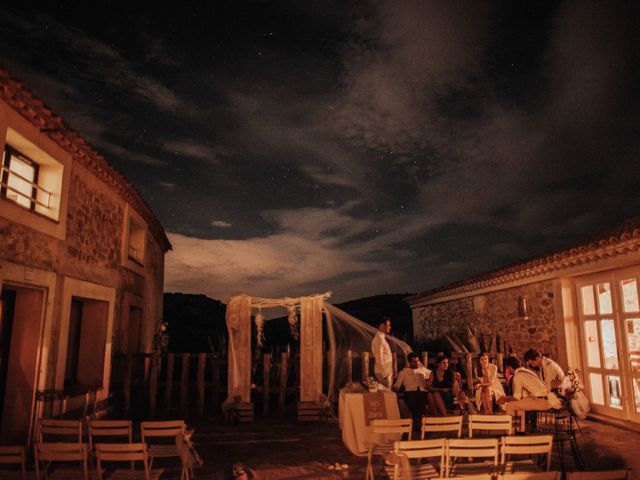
<point>369,474</point>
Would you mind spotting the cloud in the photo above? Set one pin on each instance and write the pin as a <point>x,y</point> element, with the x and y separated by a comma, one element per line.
<point>195,149</point>
<point>220,224</point>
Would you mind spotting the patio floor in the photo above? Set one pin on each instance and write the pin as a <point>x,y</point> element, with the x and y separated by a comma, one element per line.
<point>286,449</point>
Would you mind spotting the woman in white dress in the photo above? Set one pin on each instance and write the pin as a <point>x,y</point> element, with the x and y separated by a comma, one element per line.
<point>489,388</point>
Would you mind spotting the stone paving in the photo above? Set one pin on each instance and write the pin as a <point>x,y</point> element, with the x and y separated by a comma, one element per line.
<point>284,449</point>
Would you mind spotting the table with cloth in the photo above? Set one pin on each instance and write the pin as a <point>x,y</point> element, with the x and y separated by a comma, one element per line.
<point>355,412</point>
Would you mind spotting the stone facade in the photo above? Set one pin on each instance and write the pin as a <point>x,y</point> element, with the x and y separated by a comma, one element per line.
<point>496,313</point>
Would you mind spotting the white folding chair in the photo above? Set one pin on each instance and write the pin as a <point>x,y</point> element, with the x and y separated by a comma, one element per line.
<point>49,453</point>
<point>491,423</point>
<point>485,449</point>
<point>66,431</point>
<point>419,450</point>
<point>164,435</point>
<point>602,475</point>
<point>111,430</point>
<point>530,445</point>
<point>441,424</point>
<point>125,452</point>
<point>13,455</point>
<point>382,438</point>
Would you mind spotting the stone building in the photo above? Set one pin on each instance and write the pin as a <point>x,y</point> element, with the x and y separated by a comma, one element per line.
<point>81,265</point>
<point>578,305</point>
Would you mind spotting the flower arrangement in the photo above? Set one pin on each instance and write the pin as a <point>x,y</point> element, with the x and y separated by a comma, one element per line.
<point>572,390</point>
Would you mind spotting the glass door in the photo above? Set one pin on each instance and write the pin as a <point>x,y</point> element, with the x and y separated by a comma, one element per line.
<point>630,312</point>
<point>601,340</point>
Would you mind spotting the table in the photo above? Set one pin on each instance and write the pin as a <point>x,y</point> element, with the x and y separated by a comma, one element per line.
<point>563,425</point>
<point>355,410</point>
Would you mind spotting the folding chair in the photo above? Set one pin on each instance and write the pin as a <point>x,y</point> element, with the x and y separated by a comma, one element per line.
<point>66,431</point>
<point>602,475</point>
<point>492,423</point>
<point>525,445</point>
<point>441,424</point>
<point>472,448</point>
<point>167,431</point>
<point>532,476</point>
<point>110,429</point>
<point>419,450</point>
<point>125,452</point>
<point>13,455</point>
<point>383,435</point>
<point>49,453</point>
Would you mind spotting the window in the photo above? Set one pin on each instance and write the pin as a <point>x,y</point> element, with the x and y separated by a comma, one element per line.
<point>136,241</point>
<point>86,345</point>
<point>30,177</point>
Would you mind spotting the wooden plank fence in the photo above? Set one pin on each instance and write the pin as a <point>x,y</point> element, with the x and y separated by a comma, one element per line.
<point>195,384</point>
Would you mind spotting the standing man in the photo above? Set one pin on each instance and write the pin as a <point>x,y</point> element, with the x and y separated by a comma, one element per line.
<point>383,367</point>
<point>549,371</point>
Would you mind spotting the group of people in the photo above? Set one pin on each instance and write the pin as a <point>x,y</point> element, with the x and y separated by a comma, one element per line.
<point>526,387</point>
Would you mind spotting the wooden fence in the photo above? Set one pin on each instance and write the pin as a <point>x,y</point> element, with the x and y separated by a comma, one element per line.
<point>195,384</point>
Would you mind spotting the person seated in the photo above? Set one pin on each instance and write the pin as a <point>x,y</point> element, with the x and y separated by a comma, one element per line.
<point>413,378</point>
<point>549,371</point>
<point>489,386</point>
<point>443,387</point>
<point>529,393</point>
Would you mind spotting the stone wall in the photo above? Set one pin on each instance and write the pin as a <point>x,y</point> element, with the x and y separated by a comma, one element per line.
<point>496,313</point>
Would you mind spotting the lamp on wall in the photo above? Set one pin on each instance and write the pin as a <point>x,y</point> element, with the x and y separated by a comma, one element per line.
<point>524,308</point>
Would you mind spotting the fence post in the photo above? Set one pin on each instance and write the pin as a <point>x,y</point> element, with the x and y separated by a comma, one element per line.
<point>469,368</point>
<point>266,377</point>
<point>349,366</point>
<point>365,365</point>
<point>500,362</point>
<point>168,387</point>
<point>283,383</point>
<point>153,383</point>
<point>215,377</point>
<point>126,384</point>
<point>425,359</point>
<point>202,357</point>
<point>184,386</point>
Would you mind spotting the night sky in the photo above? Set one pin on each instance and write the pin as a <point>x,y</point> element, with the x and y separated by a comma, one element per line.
<point>361,147</point>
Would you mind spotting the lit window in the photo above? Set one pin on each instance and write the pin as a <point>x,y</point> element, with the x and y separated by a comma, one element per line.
<point>20,180</point>
<point>137,240</point>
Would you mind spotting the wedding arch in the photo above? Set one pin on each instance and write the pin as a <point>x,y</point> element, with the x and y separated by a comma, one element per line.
<point>344,332</point>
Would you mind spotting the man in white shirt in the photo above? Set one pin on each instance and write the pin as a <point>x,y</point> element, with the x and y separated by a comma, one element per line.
<point>414,380</point>
<point>383,367</point>
<point>549,371</point>
<point>529,393</point>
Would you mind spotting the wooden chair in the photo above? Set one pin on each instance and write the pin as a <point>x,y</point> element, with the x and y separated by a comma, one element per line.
<point>441,424</point>
<point>531,476</point>
<point>525,445</point>
<point>125,452</point>
<point>492,423</point>
<point>163,434</point>
<point>50,430</point>
<point>110,429</point>
<point>602,475</point>
<point>13,455</point>
<point>383,435</point>
<point>471,448</point>
<point>48,453</point>
<point>419,450</point>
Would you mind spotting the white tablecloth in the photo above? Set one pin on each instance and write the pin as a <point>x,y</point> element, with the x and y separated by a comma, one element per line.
<point>353,422</point>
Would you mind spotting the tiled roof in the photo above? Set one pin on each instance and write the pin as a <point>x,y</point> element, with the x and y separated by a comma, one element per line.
<point>23,101</point>
<point>621,240</point>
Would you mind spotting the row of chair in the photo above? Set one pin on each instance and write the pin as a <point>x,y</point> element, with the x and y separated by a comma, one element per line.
<point>493,455</point>
<point>595,475</point>
<point>496,424</point>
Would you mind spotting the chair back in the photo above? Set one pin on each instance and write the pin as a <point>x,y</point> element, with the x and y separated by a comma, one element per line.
<point>168,428</point>
<point>122,452</point>
<point>471,448</point>
<point>14,455</point>
<point>527,445</point>
<point>493,423</point>
<point>531,476</point>
<point>602,475</point>
<point>420,449</point>
<point>61,452</point>
<point>111,429</point>
<point>400,426</point>
<point>51,430</point>
<point>441,424</point>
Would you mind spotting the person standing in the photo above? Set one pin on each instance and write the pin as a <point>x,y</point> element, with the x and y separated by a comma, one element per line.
<point>413,378</point>
<point>383,368</point>
<point>549,371</point>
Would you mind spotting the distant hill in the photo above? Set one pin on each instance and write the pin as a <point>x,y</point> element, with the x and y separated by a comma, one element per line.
<point>196,323</point>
